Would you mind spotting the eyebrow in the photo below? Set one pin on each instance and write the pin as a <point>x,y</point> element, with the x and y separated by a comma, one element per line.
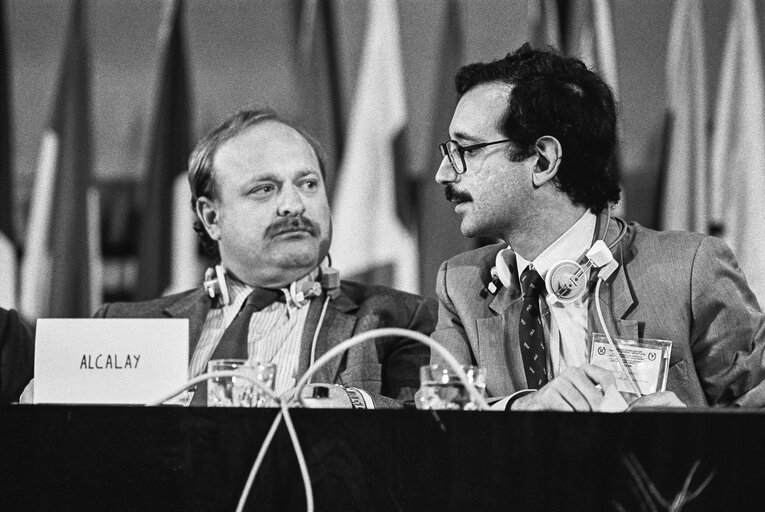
<point>465,137</point>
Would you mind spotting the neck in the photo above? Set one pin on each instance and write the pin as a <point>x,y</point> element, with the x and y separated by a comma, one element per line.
<point>542,230</point>
<point>281,279</point>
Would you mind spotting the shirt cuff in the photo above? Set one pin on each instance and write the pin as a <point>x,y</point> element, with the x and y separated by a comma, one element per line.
<point>507,402</point>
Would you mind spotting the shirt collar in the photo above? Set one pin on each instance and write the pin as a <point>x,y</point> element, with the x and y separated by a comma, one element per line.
<point>238,291</point>
<point>571,245</point>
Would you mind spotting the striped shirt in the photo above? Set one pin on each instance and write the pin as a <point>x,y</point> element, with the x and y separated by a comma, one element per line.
<point>274,336</point>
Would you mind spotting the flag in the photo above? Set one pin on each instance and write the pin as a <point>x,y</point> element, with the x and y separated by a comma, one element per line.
<point>544,23</point>
<point>440,235</point>
<point>319,81</point>
<point>737,160</point>
<point>61,269</point>
<point>369,230</point>
<point>167,252</point>
<point>8,249</point>
<point>684,172</point>
<point>590,37</point>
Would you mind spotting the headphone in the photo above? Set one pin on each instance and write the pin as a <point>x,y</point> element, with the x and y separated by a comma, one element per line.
<point>566,280</point>
<point>216,286</point>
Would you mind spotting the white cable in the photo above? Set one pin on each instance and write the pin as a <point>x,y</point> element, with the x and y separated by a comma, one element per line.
<point>619,356</point>
<point>318,328</point>
<point>262,453</point>
<point>211,375</point>
<point>390,331</point>
<point>267,442</point>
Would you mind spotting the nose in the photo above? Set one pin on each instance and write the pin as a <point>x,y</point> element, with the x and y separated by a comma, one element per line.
<point>446,173</point>
<point>290,201</point>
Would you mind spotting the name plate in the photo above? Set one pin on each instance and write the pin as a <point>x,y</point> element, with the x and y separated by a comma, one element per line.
<point>109,361</point>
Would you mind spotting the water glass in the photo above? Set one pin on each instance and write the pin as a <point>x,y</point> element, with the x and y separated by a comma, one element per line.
<point>239,391</point>
<point>441,388</point>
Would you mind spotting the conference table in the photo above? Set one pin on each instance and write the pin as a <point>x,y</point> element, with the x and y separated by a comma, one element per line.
<point>57,457</point>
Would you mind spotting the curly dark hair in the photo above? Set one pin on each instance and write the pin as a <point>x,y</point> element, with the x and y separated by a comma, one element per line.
<point>202,172</point>
<point>557,96</point>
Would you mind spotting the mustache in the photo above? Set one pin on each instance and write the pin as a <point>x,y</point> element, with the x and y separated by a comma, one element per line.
<point>452,194</point>
<point>290,224</point>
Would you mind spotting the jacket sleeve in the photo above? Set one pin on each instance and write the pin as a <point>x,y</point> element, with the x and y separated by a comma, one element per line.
<point>16,356</point>
<point>450,331</point>
<point>728,331</point>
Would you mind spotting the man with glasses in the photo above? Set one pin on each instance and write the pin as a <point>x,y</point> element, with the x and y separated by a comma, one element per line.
<point>530,161</point>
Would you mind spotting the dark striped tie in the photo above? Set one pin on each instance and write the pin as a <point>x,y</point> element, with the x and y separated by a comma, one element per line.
<point>234,342</point>
<point>530,333</point>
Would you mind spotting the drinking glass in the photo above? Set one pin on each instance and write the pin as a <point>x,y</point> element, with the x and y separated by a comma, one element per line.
<point>441,388</point>
<point>239,391</point>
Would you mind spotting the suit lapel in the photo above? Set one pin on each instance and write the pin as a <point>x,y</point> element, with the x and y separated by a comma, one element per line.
<point>336,327</point>
<point>616,296</point>
<point>498,337</point>
<point>195,307</point>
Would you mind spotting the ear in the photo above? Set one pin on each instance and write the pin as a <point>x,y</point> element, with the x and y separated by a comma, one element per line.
<point>549,155</point>
<point>207,211</point>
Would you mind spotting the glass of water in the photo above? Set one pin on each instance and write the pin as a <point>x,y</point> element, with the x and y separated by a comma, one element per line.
<point>239,391</point>
<point>441,388</point>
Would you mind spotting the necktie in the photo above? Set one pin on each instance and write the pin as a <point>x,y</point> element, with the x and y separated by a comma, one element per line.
<point>234,342</point>
<point>530,334</point>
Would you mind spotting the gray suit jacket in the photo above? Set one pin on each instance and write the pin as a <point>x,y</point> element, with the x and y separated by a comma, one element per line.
<point>388,369</point>
<point>676,286</point>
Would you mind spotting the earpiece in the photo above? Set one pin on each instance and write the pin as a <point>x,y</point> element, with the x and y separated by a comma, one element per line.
<point>215,285</point>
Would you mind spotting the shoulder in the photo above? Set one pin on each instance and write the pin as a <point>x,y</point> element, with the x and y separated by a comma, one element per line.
<point>12,326</point>
<point>145,309</point>
<point>468,270</point>
<point>362,294</point>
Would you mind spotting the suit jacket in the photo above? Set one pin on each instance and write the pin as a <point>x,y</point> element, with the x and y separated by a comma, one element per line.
<point>677,286</point>
<point>16,356</point>
<point>388,369</point>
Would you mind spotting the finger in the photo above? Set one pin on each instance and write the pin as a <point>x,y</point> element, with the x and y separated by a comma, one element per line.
<point>592,395</point>
<point>568,389</point>
<point>599,375</point>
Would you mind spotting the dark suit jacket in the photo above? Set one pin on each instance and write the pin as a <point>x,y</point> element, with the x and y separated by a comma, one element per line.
<point>388,369</point>
<point>16,356</point>
<point>676,286</point>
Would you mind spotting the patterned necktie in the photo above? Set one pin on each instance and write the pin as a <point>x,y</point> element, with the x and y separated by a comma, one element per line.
<point>234,344</point>
<point>530,334</point>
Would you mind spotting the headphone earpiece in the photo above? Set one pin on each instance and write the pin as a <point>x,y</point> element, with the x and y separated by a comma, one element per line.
<point>215,285</point>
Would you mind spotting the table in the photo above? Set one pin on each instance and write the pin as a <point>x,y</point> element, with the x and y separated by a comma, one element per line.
<point>172,458</point>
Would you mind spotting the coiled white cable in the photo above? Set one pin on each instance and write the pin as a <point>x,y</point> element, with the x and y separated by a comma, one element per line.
<point>479,400</point>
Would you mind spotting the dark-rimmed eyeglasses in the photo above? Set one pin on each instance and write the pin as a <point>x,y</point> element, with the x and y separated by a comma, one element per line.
<point>456,153</point>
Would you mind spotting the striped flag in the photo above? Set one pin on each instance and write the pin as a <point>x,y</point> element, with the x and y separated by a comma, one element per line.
<point>590,37</point>
<point>61,270</point>
<point>684,171</point>
<point>370,236</point>
<point>8,249</point>
<point>544,23</point>
<point>319,80</point>
<point>168,249</point>
<point>737,160</point>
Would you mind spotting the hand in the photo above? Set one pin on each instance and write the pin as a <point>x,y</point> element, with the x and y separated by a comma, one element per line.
<point>660,399</point>
<point>337,397</point>
<point>573,390</point>
<point>28,395</point>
